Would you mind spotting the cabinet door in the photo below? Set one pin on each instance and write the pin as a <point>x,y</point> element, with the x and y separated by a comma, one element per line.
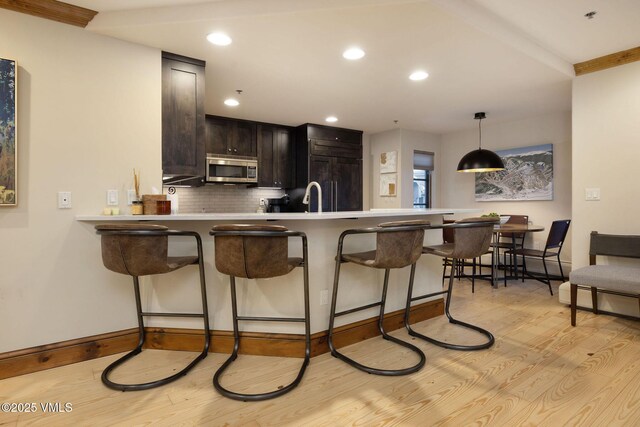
<point>284,170</point>
<point>244,140</point>
<point>266,150</point>
<point>219,134</point>
<point>183,127</point>
<point>347,177</point>
<point>320,171</point>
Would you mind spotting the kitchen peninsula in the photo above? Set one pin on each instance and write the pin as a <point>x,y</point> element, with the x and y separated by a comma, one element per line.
<point>276,297</point>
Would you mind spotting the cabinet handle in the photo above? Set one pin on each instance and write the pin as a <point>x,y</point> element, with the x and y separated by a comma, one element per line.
<point>235,150</point>
<point>229,149</point>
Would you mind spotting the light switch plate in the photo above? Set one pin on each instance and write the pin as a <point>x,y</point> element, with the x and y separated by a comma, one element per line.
<point>592,194</point>
<point>112,197</point>
<point>64,199</point>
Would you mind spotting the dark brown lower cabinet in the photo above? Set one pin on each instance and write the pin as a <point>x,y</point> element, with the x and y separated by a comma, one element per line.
<point>341,182</point>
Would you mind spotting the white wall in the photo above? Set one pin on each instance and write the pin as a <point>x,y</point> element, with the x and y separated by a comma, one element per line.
<point>606,140</point>
<point>404,142</point>
<point>381,143</point>
<point>89,111</point>
<point>458,189</point>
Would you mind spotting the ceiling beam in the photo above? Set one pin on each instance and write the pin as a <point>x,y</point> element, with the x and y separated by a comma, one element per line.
<point>607,61</point>
<point>53,10</point>
<point>489,23</point>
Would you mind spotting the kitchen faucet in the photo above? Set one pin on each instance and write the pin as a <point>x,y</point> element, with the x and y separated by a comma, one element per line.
<point>307,195</point>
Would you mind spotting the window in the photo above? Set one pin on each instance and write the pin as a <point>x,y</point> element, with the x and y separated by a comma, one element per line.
<point>422,168</point>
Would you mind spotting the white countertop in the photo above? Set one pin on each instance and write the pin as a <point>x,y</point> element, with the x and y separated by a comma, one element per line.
<point>373,213</point>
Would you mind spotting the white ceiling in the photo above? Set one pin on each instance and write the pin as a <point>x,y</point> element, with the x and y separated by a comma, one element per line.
<point>510,58</point>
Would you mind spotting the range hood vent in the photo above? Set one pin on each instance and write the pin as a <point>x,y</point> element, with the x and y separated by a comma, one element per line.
<point>182,181</point>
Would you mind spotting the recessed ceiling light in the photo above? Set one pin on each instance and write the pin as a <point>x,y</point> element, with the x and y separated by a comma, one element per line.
<point>353,53</point>
<point>331,119</point>
<point>219,39</point>
<point>419,75</point>
<point>231,102</point>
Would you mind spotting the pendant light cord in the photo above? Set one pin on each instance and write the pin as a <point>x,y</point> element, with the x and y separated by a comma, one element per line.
<point>480,133</point>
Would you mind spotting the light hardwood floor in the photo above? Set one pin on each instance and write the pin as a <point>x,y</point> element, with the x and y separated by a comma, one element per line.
<point>541,371</point>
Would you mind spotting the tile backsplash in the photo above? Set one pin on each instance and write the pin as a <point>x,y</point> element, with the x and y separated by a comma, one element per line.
<point>222,198</point>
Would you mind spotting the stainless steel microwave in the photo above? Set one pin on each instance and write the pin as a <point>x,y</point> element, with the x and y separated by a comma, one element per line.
<point>232,170</point>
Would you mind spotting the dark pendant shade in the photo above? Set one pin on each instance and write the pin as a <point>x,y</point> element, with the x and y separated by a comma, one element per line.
<point>480,161</point>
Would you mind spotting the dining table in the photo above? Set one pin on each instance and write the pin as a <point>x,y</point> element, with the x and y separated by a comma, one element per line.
<point>499,229</point>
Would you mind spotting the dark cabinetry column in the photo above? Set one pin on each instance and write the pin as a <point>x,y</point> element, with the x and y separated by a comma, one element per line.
<point>332,157</point>
<point>275,156</point>
<point>320,170</point>
<point>347,174</point>
<point>183,124</point>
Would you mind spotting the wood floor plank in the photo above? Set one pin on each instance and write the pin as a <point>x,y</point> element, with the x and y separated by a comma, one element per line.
<point>541,371</point>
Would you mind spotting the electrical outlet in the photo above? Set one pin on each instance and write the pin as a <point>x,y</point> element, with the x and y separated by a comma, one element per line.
<point>324,297</point>
<point>64,200</point>
<point>263,202</point>
<point>131,196</point>
<point>112,197</point>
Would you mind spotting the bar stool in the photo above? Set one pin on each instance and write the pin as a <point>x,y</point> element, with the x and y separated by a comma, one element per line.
<point>140,250</point>
<point>398,244</point>
<point>472,237</point>
<point>259,252</point>
<point>448,238</point>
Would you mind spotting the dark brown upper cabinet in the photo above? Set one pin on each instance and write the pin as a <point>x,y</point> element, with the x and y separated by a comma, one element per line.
<point>233,137</point>
<point>332,157</point>
<point>275,156</point>
<point>183,118</point>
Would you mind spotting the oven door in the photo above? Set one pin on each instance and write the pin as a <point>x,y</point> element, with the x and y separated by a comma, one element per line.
<point>232,170</point>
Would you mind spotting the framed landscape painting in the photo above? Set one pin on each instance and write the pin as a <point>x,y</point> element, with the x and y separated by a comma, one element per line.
<point>8,143</point>
<point>528,175</point>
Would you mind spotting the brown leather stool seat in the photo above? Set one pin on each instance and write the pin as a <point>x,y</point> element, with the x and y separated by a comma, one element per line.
<point>398,245</point>
<point>141,250</point>
<point>258,252</point>
<point>472,237</point>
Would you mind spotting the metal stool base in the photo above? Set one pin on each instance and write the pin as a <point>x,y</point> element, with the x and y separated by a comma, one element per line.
<point>145,386</point>
<point>236,335</point>
<point>141,339</point>
<point>371,370</point>
<point>257,396</point>
<point>462,347</point>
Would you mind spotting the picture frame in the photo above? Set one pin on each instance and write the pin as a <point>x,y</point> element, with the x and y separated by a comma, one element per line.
<point>388,162</point>
<point>388,185</point>
<point>8,133</point>
<point>528,175</point>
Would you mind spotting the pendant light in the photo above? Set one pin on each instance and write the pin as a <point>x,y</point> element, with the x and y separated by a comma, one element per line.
<point>480,160</point>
